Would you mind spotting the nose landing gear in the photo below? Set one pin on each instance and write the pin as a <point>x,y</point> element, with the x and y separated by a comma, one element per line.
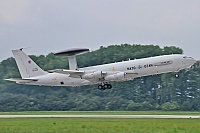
<point>176,75</point>
<point>104,86</point>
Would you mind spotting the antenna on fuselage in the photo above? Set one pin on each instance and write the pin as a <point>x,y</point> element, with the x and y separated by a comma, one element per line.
<point>71,54</point>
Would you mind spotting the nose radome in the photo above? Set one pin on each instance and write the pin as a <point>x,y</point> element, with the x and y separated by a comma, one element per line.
<point>192,61</point>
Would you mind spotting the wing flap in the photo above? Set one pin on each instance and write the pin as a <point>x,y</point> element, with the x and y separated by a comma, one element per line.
<point>72,73</point>
<point>130,75</point>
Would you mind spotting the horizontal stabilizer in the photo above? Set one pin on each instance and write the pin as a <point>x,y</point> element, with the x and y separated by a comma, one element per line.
<point>19,80</point>
<point>72,73</point>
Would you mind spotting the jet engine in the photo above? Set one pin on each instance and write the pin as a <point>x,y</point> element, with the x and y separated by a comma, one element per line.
<point>115,77</point>
<point>93,75</point>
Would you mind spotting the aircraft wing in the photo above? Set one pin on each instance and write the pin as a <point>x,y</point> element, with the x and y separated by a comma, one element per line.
<point>130,75</point>
<point>91,76</point>
<point>19,80</point>
<point>72,73</point>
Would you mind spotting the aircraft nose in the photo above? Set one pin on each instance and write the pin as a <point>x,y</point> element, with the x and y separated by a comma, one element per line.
<point>194,61</point>
<point>191,61</point>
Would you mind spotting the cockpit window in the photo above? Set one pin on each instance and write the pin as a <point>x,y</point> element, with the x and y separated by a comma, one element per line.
<point>186,57</point>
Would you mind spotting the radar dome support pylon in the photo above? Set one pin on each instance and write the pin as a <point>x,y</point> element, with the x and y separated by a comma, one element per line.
<point>71,54</point>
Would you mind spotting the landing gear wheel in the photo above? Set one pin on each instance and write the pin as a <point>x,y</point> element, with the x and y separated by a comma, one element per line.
<point>176,75</point>
<point>109,86</point>
<point>104,86</point>
<point>101,87</point>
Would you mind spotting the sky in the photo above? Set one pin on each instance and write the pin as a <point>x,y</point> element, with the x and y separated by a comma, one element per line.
<point>44,26</point>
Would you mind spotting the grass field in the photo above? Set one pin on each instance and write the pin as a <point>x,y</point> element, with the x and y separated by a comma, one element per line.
<point>99,125</point>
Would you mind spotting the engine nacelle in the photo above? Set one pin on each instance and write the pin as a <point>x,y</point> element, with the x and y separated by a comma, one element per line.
<point>115,77</point>
<point>94,75</point>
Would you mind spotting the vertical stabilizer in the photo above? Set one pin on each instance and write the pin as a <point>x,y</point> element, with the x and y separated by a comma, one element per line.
<point>27,67</point>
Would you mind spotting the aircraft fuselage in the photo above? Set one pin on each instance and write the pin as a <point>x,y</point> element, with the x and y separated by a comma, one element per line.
<point>135,68</point>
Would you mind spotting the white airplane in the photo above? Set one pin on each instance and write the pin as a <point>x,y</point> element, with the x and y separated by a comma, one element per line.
<point>32,74</point>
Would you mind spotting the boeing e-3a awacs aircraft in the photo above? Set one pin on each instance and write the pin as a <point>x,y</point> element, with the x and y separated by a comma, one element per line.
<point>32,74</point>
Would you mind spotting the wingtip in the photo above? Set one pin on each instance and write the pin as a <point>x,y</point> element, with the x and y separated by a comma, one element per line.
<point>11,79</point>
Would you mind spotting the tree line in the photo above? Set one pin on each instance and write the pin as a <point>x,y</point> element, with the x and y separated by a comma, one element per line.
<point>158,92</point>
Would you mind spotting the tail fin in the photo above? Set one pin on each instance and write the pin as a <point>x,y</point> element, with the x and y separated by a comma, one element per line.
<point>27,67</point>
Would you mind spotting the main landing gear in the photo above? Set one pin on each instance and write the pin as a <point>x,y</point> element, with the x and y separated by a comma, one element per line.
<point>104,86</point>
